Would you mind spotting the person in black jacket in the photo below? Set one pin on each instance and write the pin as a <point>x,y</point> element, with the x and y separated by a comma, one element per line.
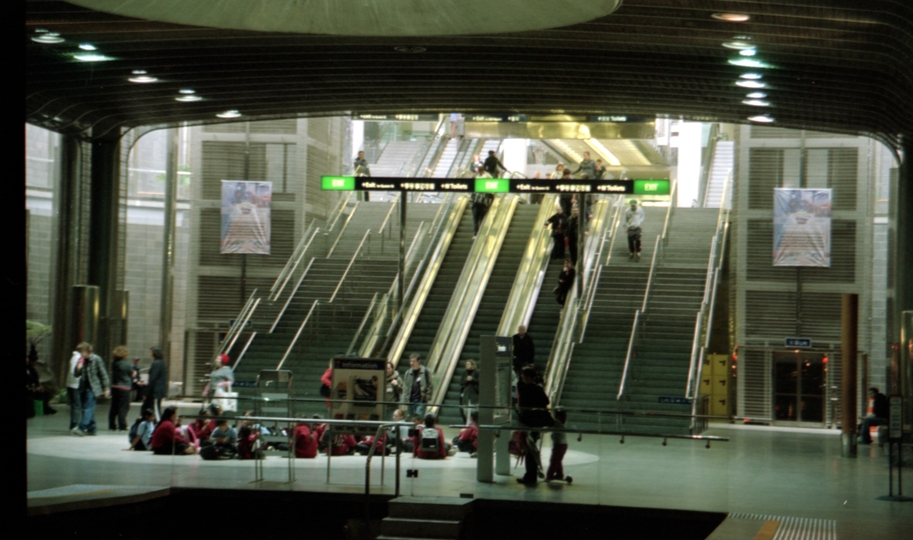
<point>558,221</point>
<point>571,234</point>
<point>878,416</point>
<point>565,282</point>
<point>469,390</point>
<point>492,164</point>
<point>481,202</point>
<point>157,387</point>
<point>533,412</point>
<point>524,351</point>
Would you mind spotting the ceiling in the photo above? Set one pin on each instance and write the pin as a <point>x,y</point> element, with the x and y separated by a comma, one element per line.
<point>829,65</point>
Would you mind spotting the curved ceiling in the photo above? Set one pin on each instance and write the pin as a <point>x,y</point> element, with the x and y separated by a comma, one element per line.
<point>364,17</point>
<point>828,65</point>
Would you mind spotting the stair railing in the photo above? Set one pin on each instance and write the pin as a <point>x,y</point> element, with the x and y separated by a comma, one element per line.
<point>240,322</point>
<point>292,295</point>
<point>343,228</point>
<point>369,314</point>
<point>415,168</point>
<point>292,262</point>
<point>298,333</point>
<point>670,211</point>
<point>612,220</point>
<point>386,229</point>
<point>345,274</point>
<point>707,159</point>
<point>639,318</point>
<point>338,210</point>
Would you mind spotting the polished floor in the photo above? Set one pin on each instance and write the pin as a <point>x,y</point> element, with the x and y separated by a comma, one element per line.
<point>795,477</point>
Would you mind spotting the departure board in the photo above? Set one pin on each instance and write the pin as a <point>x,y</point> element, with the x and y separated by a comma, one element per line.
<point>638,186</point>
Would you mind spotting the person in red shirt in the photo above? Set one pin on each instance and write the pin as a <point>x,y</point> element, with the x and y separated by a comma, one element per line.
<point>426,453</point>
<point>468,439</point>
<point>305,441</point>
<point>166,440</point>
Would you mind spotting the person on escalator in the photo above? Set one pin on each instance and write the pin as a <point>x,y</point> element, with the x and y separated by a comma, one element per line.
<point>558,221</point>
<point>588,166</point>
<point>493,165</point>
<point>565,282</point>
<point>570,235</point>
<point>481,202</point>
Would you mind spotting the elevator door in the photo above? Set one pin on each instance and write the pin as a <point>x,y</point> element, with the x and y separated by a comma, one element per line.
<point>799,386</point>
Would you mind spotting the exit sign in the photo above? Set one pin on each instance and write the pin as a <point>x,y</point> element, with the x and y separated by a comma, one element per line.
<point>337,183</point>
<point>492,185</point>
<point>651,187</point>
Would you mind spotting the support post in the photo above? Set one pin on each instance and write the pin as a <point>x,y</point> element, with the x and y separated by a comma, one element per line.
<point>401,292</point>
<point>168,255</point>
<point>849,327</point>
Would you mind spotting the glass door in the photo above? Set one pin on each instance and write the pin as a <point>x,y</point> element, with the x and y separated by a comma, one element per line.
<point>799,386</point>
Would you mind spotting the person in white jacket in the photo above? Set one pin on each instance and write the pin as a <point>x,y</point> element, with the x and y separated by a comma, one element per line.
<point>73,391</point>
<point>634,218</point>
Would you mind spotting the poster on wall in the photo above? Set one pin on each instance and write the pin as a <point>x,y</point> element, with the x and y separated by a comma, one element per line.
<point>246,216</point>
<point>357,390</point>
<point>802,227</point>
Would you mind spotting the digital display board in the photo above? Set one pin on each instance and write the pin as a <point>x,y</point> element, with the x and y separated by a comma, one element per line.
<point>640,186</point>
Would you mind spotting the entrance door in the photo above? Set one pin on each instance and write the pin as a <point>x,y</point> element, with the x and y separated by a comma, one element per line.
<point>799,386</point>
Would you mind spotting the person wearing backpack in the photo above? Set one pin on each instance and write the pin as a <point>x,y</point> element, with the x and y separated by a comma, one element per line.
<point>428,442</point>
<point>140,435</point>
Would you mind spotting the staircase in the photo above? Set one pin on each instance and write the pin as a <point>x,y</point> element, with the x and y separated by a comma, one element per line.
<point>395,156</point>
<point>723,159</point>
<point>596,364</point>
<point>424,517</point>
<point>664,346</point>
<point>491,307</point>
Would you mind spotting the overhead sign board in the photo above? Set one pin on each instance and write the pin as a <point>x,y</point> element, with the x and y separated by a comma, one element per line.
<point>798,343</point>
<point>646,186</point>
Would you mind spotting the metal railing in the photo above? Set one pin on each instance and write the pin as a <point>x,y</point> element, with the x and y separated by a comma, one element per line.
<point>671,210</point>
<point>342,229</point>
<point>234,331</point>
<point>386,229</point>
<point>293,261</point>
<point>298,333</point>
<point>639,318</point>
<point>292,295</point>
<point>345,274</point>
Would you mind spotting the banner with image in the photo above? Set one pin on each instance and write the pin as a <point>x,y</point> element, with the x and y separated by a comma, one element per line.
<point>246,216</point>
<point>802,227</point>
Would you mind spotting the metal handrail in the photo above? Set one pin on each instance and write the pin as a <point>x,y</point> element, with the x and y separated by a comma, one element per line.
<point>624,372</point>
<point>298,333</point>
<point>337,212</point>
<point>292,295</point>
<point>649,286</point>
<point>619,213</point>
<point>562,347</point>
<point>235,330</point>
<point>278,293</point>
<point>709,155</point>
<point>383,231</point>
<point>695,350</point>
<point>669,211</point>
<point>361,326</point>
<point>349,267</point>
<point>435,136</point>
<point>342,230</point>
<point>244,350</point>
<point>288,269</point>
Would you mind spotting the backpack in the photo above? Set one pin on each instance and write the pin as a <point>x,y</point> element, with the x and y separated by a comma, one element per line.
<point>134,431</point>
<point>430,441</point>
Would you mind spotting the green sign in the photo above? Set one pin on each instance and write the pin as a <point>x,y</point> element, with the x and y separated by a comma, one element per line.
<point>337,183</point>
<point>651,187</point>
<point>492,185</point>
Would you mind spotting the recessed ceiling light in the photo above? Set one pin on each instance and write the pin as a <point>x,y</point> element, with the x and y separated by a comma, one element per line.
<point>751,84</point>
<point>738,45</point>
<point>409,49</point>
<point>748,52</point>
<point>91,57</point>
<point>757,95</point>
<point>751,76</point>
<point>188,98</point>
<point>48,37</point>
<point>87,47</point>
<point>143,79</point>
<point>748,62</point>
<point>229,114</point>
<point>756,102</point>
<point>187,91</point>
<point>763,118</point>
<point>731,17</point>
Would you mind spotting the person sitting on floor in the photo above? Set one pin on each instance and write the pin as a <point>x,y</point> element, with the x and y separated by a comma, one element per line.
<point>305,441</point>
<point>468,439</point>
<point>142,436</point>
<point>165,439</point>
<point>428,442</point>
<point>342,445</point>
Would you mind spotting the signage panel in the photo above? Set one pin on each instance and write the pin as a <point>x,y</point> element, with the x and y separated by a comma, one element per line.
<point>799,343</point>
<point>495,185</point>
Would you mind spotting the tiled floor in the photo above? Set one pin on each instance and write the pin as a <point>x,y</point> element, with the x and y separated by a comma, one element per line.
<point>795,476</point>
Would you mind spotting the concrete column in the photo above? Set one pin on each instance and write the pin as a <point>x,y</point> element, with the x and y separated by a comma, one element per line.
<point>849,330</point>
<point>168,251</point>
<point>103,231</point>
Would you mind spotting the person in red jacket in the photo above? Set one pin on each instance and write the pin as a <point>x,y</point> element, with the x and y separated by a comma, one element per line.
<point>343,445</point>
<point>305,441</point>
<point>425,451</point>
<point>468,439</point>
<point>166,440</point>
<point>327,380</point>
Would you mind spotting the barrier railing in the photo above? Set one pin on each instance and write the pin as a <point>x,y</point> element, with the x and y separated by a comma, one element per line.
<point>293,261</point>
<point>639,317</point>
<point>292,295</point>
<point>348,269</point>
<point>298,334</point>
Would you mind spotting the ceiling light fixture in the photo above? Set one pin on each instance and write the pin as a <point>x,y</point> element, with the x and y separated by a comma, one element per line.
<point>188,98</point>
<point>748,52</point>
<point>87,47</point>
<point>756,95</point>
<point>756,102</point>
<point>748,62</point>
<point>48,37</point>
<point>738,45</point>
<point>751,84</point>
<point>751,76</point>
<point>229,114</point>
<point>731,17</point>
<point>143,79</point>
<point>92,57</point>
<point>762,118</point>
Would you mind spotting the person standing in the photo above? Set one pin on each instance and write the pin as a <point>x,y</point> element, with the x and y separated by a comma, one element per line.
<point>566,199</point>
<point>558,173</point>
<point>73,391</point>
<point>558,221</point>
<point>878,416</point>
<point>394,385</point>
<point>559,448</point>
<point>220,382</point>
<point>533,403</point>
<point>571,234</point>
<point>565,282</point>
<point>417,387</point>
<point>481,202</point>
<point>121,385</point>
<point>599,171</point>
<point>634,218</point>
<point>493,165</point>
<point>157,387</point>
<point>524,351</point>
<point>469,389</point>
<point>588,166</point>
<point>476,167</point>
<point>361,165</point>
<point>93,381</point>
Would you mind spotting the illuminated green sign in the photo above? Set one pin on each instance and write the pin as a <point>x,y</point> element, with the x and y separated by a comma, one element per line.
<point>651,187</point>
<point>492,185</point>
<point>337,183</point>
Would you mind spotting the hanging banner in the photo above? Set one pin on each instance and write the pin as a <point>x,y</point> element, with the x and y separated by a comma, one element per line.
<point>802,227</point>
<point>246,216</point>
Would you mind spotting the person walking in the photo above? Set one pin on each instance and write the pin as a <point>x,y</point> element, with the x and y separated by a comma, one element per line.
<point>524,351</point>
<point>481,202</point>
<point>469,389</point>
<point>633,220</point>
<point>417,388</point>
<point>157,386</point>
<point>93,381</point>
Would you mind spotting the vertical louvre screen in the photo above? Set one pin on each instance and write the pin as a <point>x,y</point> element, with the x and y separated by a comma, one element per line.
<point>755,384</point>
